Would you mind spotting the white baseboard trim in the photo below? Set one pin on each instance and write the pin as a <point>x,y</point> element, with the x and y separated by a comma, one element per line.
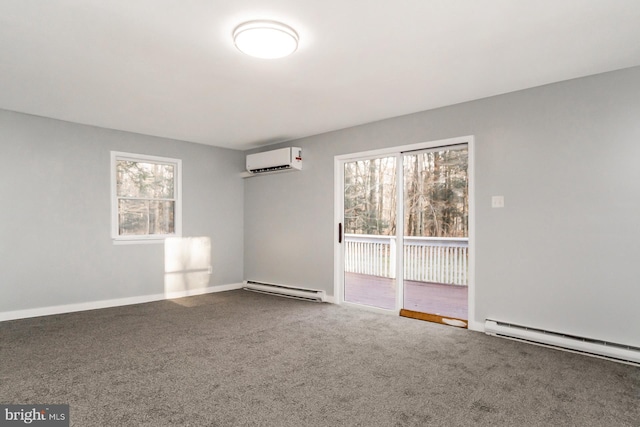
<point>330,299</point>
<point>201,291</point>
<point>118,302</point>
<point>476,326</point>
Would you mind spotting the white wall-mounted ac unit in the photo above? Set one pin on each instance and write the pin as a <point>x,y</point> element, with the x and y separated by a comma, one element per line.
<point>283,159</point>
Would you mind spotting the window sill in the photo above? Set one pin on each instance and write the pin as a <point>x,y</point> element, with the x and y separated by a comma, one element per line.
<point>121,241</point>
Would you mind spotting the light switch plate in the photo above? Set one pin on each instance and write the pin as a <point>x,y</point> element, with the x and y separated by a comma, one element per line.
<point>497,201</point>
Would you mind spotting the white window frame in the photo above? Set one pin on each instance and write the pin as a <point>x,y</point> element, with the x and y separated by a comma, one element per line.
<point>149,238</point>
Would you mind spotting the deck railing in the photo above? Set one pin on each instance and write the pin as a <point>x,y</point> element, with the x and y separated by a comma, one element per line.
<point>426,259</point>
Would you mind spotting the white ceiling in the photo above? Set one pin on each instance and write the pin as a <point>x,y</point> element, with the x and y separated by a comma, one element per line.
<point>169,67</point>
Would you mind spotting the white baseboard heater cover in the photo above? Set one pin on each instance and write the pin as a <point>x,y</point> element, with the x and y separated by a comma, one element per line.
<point>607,350</point>
<point>285,291</point>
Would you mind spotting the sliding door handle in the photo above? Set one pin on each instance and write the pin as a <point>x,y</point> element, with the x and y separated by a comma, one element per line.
<point>340,232</point>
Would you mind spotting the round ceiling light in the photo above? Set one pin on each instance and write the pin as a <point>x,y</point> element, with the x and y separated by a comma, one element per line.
<point>265,39</point>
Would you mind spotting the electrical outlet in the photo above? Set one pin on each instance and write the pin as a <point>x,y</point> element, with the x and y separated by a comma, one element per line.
<point>497,201</point>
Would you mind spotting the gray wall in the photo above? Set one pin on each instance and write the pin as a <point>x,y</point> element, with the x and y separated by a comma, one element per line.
<point>55,219</point>
<point>561,255</point>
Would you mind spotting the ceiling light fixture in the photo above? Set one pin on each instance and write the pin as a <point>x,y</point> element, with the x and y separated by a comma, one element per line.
<point>265,39</point>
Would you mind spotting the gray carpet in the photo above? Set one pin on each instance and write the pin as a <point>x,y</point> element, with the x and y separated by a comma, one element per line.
<point>239,358</point>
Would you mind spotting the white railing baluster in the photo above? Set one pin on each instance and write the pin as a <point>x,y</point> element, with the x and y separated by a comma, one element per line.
<point>393,255</point>
<point>449,266</point>
<point>374,259</point>
<point>464,268</point>
<point>432,264</point>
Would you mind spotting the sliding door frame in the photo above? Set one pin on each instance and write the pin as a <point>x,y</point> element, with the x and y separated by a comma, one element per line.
<point>398,151</point>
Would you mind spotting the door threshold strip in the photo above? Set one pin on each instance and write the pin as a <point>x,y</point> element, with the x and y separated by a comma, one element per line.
<point>451,321</point>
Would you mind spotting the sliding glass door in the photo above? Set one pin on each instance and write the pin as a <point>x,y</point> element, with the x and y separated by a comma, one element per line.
<point>436,233</point>
<point>370,206</point>
<point>405,247</point>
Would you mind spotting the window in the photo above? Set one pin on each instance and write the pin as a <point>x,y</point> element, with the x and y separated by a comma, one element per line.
<point>146,196</point>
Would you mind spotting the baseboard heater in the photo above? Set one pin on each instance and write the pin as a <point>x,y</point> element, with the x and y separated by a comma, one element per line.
<point>285,291</point>
<point>603,349</point>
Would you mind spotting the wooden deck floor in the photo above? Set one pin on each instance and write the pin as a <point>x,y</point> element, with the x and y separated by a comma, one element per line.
<point>434,298</point>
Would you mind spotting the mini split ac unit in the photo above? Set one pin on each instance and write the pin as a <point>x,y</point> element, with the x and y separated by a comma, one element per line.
<point>280,160</point>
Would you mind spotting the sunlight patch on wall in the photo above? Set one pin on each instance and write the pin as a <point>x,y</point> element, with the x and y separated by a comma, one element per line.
<point>187,264</point>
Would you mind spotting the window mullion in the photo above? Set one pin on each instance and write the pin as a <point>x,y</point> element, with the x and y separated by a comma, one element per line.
<point>145,198</point>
